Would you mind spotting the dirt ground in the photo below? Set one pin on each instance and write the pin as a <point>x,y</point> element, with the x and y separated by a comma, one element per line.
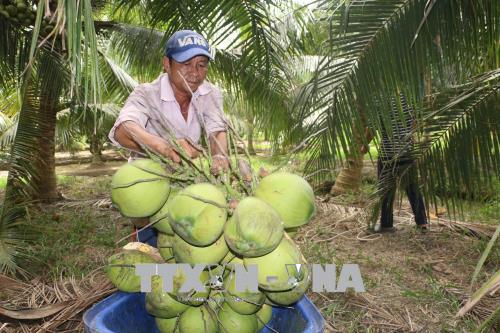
<point>415,282</point>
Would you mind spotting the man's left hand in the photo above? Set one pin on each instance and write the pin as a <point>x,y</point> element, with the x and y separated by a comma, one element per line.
<point>220,163</point>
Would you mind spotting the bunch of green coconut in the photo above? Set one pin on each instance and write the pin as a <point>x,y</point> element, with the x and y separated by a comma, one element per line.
<point>22,13</point>
<point>197,225</point>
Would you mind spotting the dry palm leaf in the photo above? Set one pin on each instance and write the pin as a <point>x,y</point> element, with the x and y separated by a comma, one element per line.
<point>64,300</point>
<point>475,229</point>
<point>491,286</point>
<point>7,283</point>
<point>28,314</point>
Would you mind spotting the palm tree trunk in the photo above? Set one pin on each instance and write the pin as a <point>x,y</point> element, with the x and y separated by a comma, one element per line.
<point>250,130</point>
<point>46,184</point>
<point>96,149</point>
<point>349,178</point>
<point>32,173</point>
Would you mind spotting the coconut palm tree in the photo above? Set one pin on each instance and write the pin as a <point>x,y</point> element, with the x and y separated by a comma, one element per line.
<point>380,48</point>
<point>93,126</point>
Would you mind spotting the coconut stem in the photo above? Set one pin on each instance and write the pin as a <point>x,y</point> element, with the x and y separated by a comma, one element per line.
<point>208,201</point>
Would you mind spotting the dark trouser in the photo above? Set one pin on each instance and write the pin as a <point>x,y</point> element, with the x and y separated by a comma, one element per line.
<point>389,173</point>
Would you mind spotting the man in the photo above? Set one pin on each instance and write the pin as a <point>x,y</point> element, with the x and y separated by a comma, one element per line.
<point>175,109</point>
<point>169,115</point>
<point>396,162</point>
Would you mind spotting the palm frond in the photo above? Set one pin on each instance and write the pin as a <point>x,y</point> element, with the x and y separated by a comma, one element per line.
<point>13,238</point>
<point>117,84</point>
<point>459,152</point>
<point>138,50</point>
<point>8,128</point>
<point>371,58</point>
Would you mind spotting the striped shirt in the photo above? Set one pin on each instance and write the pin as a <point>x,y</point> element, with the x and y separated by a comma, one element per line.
<point>398,142</point>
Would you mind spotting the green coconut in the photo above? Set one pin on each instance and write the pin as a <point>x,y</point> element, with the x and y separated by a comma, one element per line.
<point>164,244</point>
<point>215,270</point>
<point>290,195</point>
<point>246,302</point>
<point>279,266</point>
<point>198,214</point>
<point>230,260</point>
<point>216,300</point>
<point>170,325</point>
<point>160,219</point>
<point>264,316</point>
<point>121,269</point>
<point>209,255</point>
<point>161,304</point>
<point>192,297</point>
<point>21,7</point>
<point>292,231</point>
<point>198,319</point>
<point>140,188</point>
<point>292,296</point>
<point>231,321</point>
<point>11,10</point>
<point>255,228</point>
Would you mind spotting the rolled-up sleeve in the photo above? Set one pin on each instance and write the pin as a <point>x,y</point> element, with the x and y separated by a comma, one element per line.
<point>135,109</point>
<point>215,120</point>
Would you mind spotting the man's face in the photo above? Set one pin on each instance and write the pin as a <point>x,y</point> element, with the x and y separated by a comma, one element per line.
<point>191,72</point>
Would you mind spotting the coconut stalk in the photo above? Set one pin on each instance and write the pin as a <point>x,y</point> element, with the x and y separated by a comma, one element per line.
<point>231,132</point>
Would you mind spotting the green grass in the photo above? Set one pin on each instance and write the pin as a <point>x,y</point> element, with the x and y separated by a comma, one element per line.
<point>3,182</point>
<point>62,180</point>
<point>270,163</point>
<point>76,239</point>
<point>70,241</point>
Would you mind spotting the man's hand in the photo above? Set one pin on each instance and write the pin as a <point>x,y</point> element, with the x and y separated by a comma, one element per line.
<point>220,163</point>
<point>132,136</point>
<point>164,149</point>
<point>188,148</point>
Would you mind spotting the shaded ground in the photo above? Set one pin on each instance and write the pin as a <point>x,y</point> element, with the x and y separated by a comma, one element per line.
<point>414,282</point>
<point>79,164</point>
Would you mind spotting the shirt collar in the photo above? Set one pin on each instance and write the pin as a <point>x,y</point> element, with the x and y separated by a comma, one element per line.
<point>167,94</point>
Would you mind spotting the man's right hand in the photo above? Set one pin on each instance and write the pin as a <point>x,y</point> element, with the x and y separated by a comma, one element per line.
<point>172,153</point>
<point>188,148</point>
<point>167,151</point>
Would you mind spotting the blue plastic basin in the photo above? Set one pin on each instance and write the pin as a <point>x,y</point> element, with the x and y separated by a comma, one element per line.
<point>126,312</point>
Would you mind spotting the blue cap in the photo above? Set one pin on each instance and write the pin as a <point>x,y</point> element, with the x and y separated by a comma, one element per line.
<point>185,44</point>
